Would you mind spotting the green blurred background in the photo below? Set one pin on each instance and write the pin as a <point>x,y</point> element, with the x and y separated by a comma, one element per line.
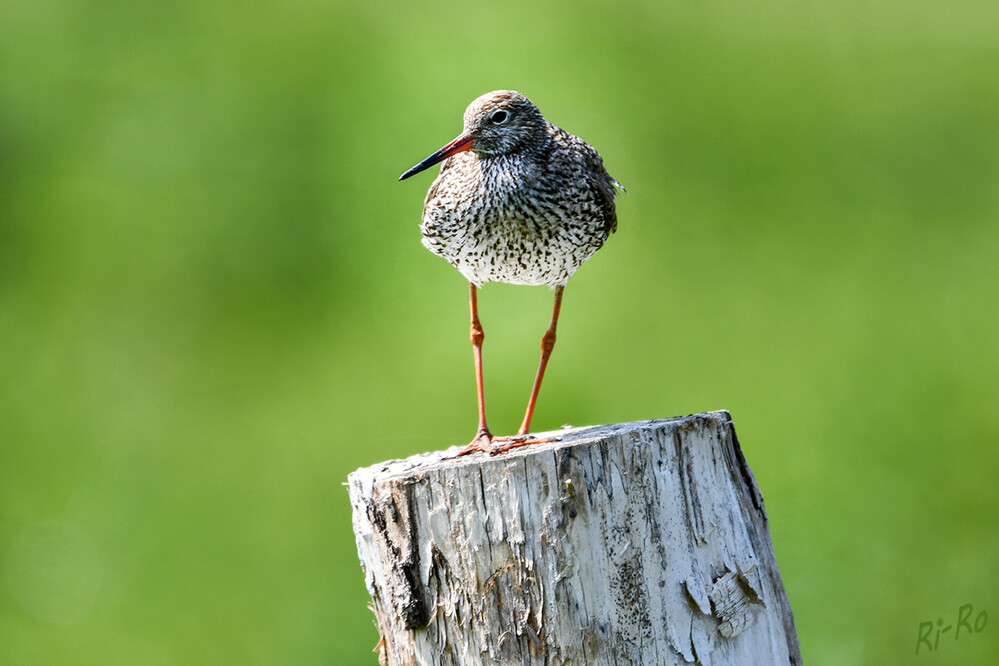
<point>214,303</point>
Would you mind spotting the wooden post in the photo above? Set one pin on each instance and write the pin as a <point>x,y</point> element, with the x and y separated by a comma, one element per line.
<point>635,543</point>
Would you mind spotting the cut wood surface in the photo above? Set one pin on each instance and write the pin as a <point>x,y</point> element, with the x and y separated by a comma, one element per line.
<point>634,543</point>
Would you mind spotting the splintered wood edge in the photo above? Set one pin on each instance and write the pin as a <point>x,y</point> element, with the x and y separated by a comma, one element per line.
<point>564,438</point>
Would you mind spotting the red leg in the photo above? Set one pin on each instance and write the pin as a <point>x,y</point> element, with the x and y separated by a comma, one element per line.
<point>483,438</point>
<point>547,344</point>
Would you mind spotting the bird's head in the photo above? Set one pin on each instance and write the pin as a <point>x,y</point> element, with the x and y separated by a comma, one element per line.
<point>497,123</point>
<point>503,121</point>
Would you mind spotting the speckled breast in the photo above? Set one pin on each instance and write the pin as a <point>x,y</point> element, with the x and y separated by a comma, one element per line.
<point>502,221</point>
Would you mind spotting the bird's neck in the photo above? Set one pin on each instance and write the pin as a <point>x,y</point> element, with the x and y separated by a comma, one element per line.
<point>527,157</point>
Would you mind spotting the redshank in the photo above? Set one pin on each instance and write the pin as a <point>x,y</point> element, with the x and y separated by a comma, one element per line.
<point>521,201</point>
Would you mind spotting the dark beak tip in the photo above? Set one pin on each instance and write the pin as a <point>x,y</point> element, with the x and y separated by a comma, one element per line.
<point>460,144</point>
<point>412,171</point>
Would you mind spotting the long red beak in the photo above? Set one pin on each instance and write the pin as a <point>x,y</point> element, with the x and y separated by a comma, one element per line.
<point>461,144</point>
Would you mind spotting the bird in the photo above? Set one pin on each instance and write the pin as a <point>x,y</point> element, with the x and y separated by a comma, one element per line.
<point>521,201</point>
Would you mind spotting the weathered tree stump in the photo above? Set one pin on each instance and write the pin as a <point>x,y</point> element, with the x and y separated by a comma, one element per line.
<point>636,543</point>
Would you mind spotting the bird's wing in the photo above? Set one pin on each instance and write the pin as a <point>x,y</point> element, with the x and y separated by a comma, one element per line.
<point>602,183</point>
<point>587,160</point>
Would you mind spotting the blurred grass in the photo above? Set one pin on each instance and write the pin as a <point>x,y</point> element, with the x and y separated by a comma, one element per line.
<point>214,303</point>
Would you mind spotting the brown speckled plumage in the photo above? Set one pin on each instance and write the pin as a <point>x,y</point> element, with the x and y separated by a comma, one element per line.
<point>528,204</point>
<point>517,200</point>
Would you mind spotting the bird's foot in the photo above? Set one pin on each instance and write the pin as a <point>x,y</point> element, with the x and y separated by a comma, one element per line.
<point>516,441</point>
<point>482,442</point>
<point>487,443</point>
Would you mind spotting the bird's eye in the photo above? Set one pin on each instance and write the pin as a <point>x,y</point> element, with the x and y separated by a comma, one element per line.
<point>499,117</point>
